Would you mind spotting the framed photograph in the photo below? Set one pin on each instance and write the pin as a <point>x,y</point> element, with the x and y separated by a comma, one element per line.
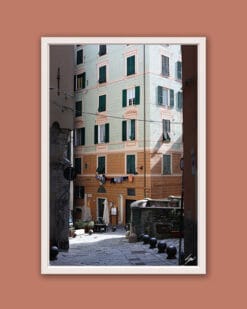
<point>123,148</point>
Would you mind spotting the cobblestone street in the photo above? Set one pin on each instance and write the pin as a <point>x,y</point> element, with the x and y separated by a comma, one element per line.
<point>112,249</point>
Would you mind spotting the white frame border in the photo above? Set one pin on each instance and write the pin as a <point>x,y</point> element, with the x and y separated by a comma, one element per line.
<point>123,270</point>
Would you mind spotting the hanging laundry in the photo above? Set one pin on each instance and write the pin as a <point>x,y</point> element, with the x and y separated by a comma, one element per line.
<point>131,178</point>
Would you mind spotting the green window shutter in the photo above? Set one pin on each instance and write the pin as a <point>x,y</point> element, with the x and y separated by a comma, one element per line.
<point>179,70</point>
<point>102,74</point>
<point>166,164</point>
<point>107,133</point>
<point>102,103</point>
<point>82,136</point>
<point>131,65</point>
<point>171,98</point>
<point>95,134</point>
<point>78,109</point>
<point>131,164</point>
<point>74,82</point>
<point>137,95</point>
<point>160,95</point>
<point>124,98</point>
<point>179,100</point>
<point>124,130</point>
<point>101,165</point>
<point>133,129</point>
<point>79,59</point>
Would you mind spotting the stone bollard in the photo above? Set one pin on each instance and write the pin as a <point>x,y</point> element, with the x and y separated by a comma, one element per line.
<point>161,246</point>
<point>153,242</point>
<point>171,252</point>
<point>146,239</point>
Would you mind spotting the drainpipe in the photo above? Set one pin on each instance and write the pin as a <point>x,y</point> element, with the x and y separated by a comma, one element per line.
<point>144,120</point>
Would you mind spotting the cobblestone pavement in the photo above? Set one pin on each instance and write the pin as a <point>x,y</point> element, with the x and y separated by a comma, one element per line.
<point>112,249</point>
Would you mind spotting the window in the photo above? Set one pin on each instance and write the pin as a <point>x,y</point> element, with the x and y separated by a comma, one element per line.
<point>102,50</point>
<point>78,109</point>
<point>79,56</point>
<point>79,192</point>
<point>131,191</point>
<point>166,164</point>
<point>165,66</point>
<point>101,165</point>
<point>128,130</point>
<point>166,130</point>
<point>180,100</point>
<point>131,169</point>
<point>79,137</point>
<point>179,70</point>
<point>131,96</point>
<point>80,81</point>
<point>101,133</point>
<point>165,96</point>
<point>78,165</point>
<point>131,65</point>
<point>102,103</point>
<point>102,74</point>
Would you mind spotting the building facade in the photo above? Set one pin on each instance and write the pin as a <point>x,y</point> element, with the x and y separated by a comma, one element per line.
<point>127,127</point>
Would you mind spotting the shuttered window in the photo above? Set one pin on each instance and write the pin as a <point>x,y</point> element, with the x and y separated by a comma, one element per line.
<point>101,165</point>
<point>131,65</point>
<point>179,70</point>
<point>102,74</point>
<point>166,130</point>
<point>165,66</point>
<point>78,109</point>
<point>128,130</point>
<point>165,97</point>
<point>131,96</point>
<point>180,100</point>
<point>102,103</point>
<point>81,81</point>
<point>166,164</point>
<point>102,50</point>
<point>79,136</point>
<point>79,56</point>
<point>78,165</point>
<point>130,164</point>
<point>102,133</point>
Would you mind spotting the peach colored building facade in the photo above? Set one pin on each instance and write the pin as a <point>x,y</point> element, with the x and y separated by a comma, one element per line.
<point>128,127</point>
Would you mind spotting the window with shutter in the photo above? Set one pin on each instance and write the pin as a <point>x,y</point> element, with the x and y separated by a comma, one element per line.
<point>101,165</point>
<point>131,96</point>
<point>165,66</point>
<point>78,108</point>
<point>102,74</point>
<point>102,50</point>
<point>79,57</point>
<point>166,164</point>
<point>180,100</point>
<point>131,65</point>
<point>102,133</point>
<point>179,70</point>
<point>130,164</point>
<point>78,165</point>
<point>102,103</point>
<point>81,81</point>
<point>166,130</point>
<point>171,98</point>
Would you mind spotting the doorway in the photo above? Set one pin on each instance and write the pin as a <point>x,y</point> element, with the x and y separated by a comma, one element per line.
<point>128,210</point>
<point>100,207</point>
